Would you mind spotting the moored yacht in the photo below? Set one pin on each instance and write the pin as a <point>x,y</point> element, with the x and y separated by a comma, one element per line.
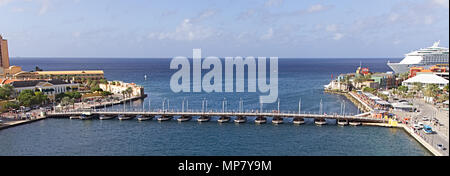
<point>240,119</point>
<point>320,121</point>
<point>277,120</point>
<point>74,117</point>
<point>223,119</point>
<point>298,121</point>
<point>165,118</point>
<point>342,122</point>
<point>184,118</point>
<point>86,117</point>
<point>260,120</point>
<point>204,119</point>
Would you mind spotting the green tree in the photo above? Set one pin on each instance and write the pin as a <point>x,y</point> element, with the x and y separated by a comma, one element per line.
<point>431,90</point>
<point>11,105</point>
<point>6,91</point>
<point>26,98</point>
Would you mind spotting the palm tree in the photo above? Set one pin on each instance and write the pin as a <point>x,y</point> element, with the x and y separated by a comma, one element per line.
<point>431,90</point>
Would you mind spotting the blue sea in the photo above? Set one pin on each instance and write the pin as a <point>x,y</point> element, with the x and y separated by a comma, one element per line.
<point>298,79</point>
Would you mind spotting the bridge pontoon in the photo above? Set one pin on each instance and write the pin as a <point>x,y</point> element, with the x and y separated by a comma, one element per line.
<point>342,122</point>
<point>320,121</point>
<point>224,119</point>
<point>165,118</point>
<point>105,117</point>
<point>184,118</point>
<point>144,117</point>
<point>298,121</point>
<point>203,119</point>
<point>355,123</point>
<point>260,120</point>
<point>124,117</point>
<point>240,119</point>
<point>277,120</point>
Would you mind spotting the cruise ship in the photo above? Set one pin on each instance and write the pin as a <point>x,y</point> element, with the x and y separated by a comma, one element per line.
<point>424,57</point>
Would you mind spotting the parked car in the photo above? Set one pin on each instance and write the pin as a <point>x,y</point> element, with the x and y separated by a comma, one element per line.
<point>440,146</point>
<point>425,119</point>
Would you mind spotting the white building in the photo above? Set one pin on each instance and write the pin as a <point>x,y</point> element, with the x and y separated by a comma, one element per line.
<point>117,87</point>
<point>48,87</point>
<point>426,79</point>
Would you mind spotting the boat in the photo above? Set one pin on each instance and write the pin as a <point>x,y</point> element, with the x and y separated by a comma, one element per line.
<point>184,118</point>
<point>425,57</point>
<point>260,120</point>
<point>143,117</point>
<point>355,123</point>
<point>320,121</point>
<point>124,117</point>
<point>203,119</point>
<point>165,118</point>
<point>342,122</point>
<point>105,117</point>
<point>74,117</point>
<point>224,119</point>
<point>277,120</point>
<point>240,119</point>
<point>298,120</point>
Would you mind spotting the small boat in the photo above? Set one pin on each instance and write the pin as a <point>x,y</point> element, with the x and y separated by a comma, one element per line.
<point>184,118</point>
<point>240,119</point>
<point>224,119</point>
<point>298,121</point>
<point>143,118</point>
<point>165,118</point>
<point>260,120</point>
<point>104,117</point>
<point>342,122</point>
<point>320,122</point>
<point>277,120</point>
<point>74,117</point>
<point>355,123</point>
<point>124,117</point>
<point>203,119</point>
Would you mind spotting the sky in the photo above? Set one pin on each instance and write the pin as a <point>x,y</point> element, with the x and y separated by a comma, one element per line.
<point>169,28</point>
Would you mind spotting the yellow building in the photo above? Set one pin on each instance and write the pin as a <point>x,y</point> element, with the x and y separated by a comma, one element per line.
<point>74,75</point>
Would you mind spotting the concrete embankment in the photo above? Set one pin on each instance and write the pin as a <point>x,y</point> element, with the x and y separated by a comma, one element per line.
<point>410,131</point>
<point>354,99</point>
<point>6,125</point>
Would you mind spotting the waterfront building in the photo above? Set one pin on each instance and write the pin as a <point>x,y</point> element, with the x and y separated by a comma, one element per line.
<point>384,80</point>
<point>49,87</point>
<point>117,87</point>
<point>426,79</point>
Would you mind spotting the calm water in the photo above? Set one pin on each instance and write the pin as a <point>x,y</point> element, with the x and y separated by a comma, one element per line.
<point>298,78</point>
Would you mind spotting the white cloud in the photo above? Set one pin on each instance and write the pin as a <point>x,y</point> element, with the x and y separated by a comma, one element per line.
<point>76,34</point>
<point>185,31</point>
<point>272,3</point>
<point>443,3</point>
<point>331,28</point>
<point>4,2</point>
<point>267,35</point>
<point>44,7</point>
<point>316,8</point>
<point>338,36</point>
<point>17,9</point>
